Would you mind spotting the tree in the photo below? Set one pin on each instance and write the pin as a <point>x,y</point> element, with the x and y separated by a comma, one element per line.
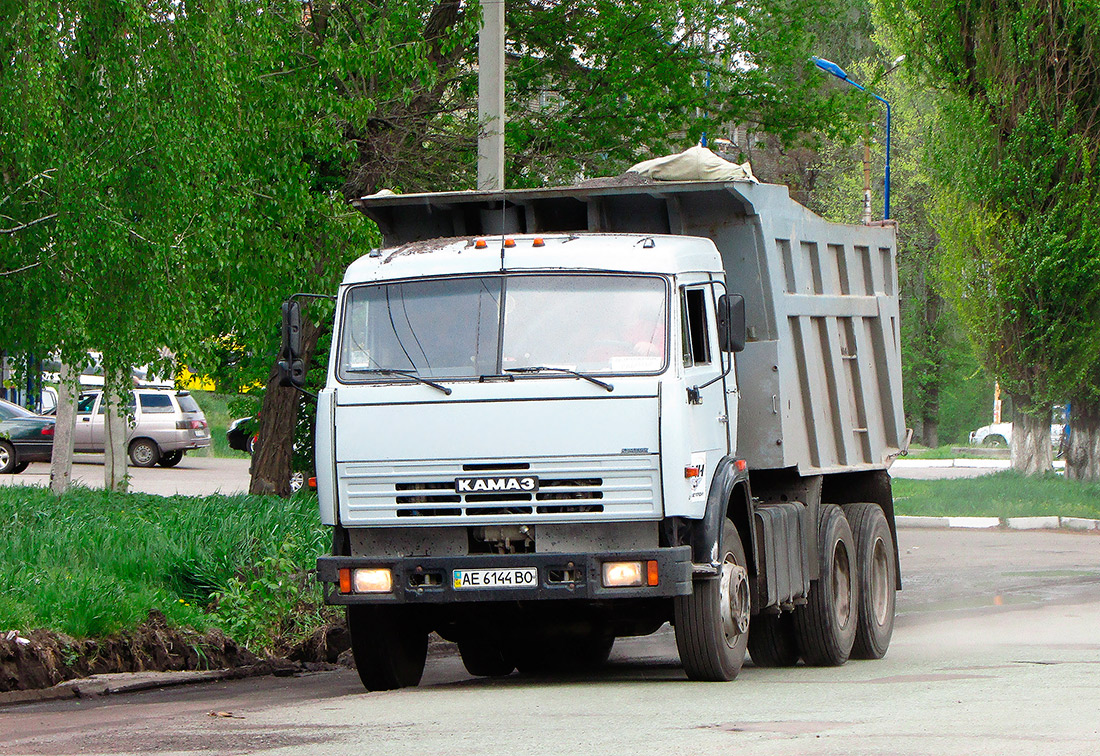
<point>113,140</point>
<point>1013,167</point>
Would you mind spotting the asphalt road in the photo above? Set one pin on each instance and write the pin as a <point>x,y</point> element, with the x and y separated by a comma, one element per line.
<point>194,476</point>
<point>996,651</point>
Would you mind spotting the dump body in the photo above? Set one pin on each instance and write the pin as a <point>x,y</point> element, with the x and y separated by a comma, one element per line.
<point>820,377</point>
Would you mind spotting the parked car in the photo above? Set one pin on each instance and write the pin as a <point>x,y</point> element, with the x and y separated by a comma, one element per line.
<point>1000,435</point>
<point>24,438</point>
<point>165,425</point>
<point>243,432</point>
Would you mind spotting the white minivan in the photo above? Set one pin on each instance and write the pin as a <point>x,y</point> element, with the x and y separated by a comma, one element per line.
<point>165,424</point>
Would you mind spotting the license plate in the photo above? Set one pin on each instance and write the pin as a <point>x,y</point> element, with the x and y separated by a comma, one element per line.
<point>515,577</point>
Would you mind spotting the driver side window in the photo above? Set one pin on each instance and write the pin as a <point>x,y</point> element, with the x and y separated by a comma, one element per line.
<point>694,327</point>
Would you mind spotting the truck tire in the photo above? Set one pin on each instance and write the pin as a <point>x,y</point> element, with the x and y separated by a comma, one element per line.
<point>772,640</point>
<point>826,625</point>
<point>484,658</point>
<point>876,569</point>
<point>712,623</point>
<point>389,647</point>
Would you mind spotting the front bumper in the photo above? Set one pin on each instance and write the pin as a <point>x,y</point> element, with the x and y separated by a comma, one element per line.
<point>411,573</point>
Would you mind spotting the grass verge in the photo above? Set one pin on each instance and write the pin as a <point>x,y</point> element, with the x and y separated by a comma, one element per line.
<point>90,563</point>
<point>1002,494</point>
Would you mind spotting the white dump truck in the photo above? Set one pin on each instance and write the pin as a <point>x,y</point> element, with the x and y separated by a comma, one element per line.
<point>558,417</point>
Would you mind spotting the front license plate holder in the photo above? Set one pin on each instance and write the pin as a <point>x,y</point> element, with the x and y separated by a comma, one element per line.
<point>494,578</point>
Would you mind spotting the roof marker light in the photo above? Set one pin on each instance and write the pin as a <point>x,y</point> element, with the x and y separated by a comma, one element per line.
<point>509,243</point>
<point>538,242</point>
<point>480,244</point>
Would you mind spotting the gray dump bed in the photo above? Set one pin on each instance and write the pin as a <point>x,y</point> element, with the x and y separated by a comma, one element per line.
<point>820,378</point>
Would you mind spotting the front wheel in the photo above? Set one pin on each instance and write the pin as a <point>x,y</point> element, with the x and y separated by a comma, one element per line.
<point>388,645</point>
<point>877,572</point>
<point>144,453</point>
<point>712,623</point>
<point>826,625</point>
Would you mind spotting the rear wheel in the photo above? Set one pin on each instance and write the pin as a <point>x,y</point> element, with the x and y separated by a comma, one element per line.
<point>171,459</point>
<point>826,625</point>
<point>484,658</point>
<point>144,452</point>
<point>20,467</point>
<point>772,640</point>
<point>712,623</point>
<point>567,653</point>
<point>389,646</point>
<point>7,458</point>
<point>877,573</point>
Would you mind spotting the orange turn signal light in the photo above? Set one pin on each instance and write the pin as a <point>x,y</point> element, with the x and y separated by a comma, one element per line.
<point>692,471</point>
<point>741,465</point>
<point>345,580</point>
<point>651,573</point>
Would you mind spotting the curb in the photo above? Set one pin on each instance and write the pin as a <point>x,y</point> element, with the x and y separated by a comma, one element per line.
<point>1052,522</point>
<point>903,463</point>
<point>132,682</point>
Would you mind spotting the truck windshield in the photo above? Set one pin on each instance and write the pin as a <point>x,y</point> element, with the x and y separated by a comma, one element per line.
<point>474,326</point>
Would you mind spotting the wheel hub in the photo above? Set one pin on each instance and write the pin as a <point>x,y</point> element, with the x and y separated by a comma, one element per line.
<point>733,600</point>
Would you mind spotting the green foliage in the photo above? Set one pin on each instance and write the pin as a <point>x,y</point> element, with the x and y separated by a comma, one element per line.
<point>89,563</point>
<point>275,602</point>
<point>1013,168</point>
<point>1002,494</point>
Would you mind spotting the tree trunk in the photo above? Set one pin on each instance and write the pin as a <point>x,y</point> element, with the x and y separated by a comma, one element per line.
<point>1083,447</point>
<point>274,453</point>
<point>61,461</point>
<point>1031,452</point>
<point>930,432</point>
<point>116,386</point>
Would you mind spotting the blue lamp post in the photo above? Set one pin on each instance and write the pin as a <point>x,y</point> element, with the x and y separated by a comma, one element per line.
<point>832,68</point>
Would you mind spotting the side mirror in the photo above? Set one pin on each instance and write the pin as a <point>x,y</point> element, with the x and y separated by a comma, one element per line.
<point>731,322</point>
<point>292,330</point>
<point>291,368</point>
<point>291,373</point>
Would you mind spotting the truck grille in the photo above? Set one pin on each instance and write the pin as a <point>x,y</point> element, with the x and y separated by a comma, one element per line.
<point>619,487</point>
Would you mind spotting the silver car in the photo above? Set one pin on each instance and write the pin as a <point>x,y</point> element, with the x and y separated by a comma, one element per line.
<point>164,425</point>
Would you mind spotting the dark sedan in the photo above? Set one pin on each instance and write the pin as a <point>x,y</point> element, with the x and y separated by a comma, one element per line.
<point>24,438</point>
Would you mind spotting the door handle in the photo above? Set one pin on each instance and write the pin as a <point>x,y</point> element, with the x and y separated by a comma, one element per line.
<point>85,419</point>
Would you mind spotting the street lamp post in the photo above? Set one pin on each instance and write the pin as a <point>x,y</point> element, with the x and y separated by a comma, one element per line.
<point>832,68</point>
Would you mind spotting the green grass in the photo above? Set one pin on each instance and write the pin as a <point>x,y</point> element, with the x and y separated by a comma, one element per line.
<point>1002,494</point>
<point>90,563</point>
<point>220,411</point>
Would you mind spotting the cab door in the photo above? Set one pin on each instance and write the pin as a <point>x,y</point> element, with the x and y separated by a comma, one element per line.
<point>708,424</point>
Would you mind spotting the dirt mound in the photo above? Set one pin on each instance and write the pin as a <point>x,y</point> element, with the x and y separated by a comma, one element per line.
<point>45,658</point>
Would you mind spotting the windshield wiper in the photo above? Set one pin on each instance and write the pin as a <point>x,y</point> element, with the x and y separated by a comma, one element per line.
<point>547,369</point>
<point>404,373</point>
